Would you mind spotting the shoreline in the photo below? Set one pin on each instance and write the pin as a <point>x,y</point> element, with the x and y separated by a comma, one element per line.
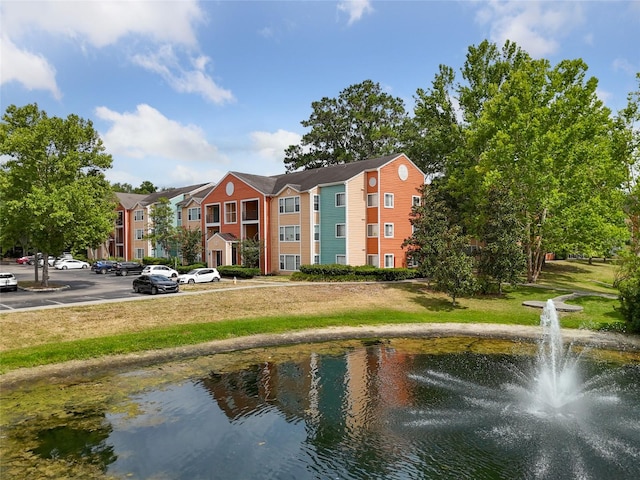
<point>105,365</point>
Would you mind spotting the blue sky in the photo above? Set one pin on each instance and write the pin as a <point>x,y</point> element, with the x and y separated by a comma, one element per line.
<point>184,91</point>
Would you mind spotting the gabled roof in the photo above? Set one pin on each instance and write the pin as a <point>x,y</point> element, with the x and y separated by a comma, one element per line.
<point>130,200</point>
<point>307,179</point>
<point>172,193</point>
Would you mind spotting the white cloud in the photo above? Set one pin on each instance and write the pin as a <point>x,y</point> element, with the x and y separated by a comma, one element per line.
<point>147,134</point>
<point>33,71</point>
<point>355,9</point>
<point>622,64</point>
<point>104,22</point>
<point>537,27</point>
<point>271,146</point>
<point>165,63</point>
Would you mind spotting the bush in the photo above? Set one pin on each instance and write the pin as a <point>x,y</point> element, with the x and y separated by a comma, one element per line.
<point>186,268</point>
<point>155,261</point>
<point>346,273</point>
<point>630,303</point>
<point>238,271</point>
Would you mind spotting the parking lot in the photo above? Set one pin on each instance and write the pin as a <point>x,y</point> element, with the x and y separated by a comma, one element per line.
<point>84,286</point>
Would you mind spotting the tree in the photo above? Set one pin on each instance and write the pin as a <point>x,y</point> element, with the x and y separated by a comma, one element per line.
<point>146,187</point>
<point>190,242</point>
<point>501,256</point>
<point>363,122</point>
<point>54,192</point>
<point>162,231</point>
<point>542,133</point>
<point>453,273</point>
<point>250,249</point>
<point>430,221</point>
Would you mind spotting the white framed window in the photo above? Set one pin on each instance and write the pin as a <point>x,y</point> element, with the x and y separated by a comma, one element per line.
<point>230,212</point>
<point>290,233</point>
<point>341,259</point>
<point>139,234</point>
<point>194,213</point>
<point>341,199</point>
<point>341,230</point>
<point>372,260</point>
<point>389,260</point>
<point>289,204</point>
<point>316,232</point>
<point>316,203</point>
<point>138,215</point>
<point>290,262</point>
<point>388,230</point>
<point>138,253</point>
<point>372,230</point>
<point>388,200</point>
<point>316,259</point>
<point>415,200</point>
<point>372,199</point>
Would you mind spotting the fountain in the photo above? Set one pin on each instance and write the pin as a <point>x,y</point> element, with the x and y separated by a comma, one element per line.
<point>390,409</point>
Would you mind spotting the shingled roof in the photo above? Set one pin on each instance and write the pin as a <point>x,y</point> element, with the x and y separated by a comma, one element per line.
<point>307,179</point>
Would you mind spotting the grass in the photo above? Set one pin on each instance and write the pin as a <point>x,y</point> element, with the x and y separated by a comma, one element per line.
<point>78,333</point>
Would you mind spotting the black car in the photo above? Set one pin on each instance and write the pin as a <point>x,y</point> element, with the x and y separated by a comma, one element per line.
<point>103,266</point>
<point>155,284</point>
<point>126,268</point>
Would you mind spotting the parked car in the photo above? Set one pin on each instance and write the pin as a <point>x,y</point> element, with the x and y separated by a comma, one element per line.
<point>26,259</point>
<point>64,256</point>
<point>50,260</point>
<point>103,266</point>
<point>8,281</point>
<point>160,270</point>
<point>200,275</point>
<point>126,268</point>
<point>69,264</point>
<point>155,284</point>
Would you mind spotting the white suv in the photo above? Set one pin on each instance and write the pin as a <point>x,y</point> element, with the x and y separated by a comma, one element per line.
<point>8,281</point>
<point>160,270</point>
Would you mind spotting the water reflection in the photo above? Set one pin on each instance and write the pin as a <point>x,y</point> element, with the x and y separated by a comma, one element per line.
<point>382,411</point>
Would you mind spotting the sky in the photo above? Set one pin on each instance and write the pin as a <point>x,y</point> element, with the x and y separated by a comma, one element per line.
<point>184,91</point>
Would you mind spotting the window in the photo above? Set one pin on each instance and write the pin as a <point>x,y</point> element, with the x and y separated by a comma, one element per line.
<point>194,213</point>
<point>289,204</point>
<point>316,203</point>
<point>341,259</point>
<point>372,260</point>
<point>388,260</point>
<point>316,259</point>
<point>415,200</point>
<point>230,212</point>
<point>316,232</point>
<point>290,233</point>
<point>290,262</point>
<point>372,230</point>
<point>179,214</point>
<point>341,230</point>
<point>138,253</point>
<point>388,200</point>
<point>139,233</point>
<point>388,230</point>
<point>341,199</point>
<point>138,215</point>
<point>372,200</point>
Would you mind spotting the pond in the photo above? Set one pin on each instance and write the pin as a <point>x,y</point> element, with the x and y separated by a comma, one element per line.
<point>380,409</point>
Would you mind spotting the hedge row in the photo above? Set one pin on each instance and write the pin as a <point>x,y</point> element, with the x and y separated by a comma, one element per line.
<point>238,271</point>
<point>336,272</point>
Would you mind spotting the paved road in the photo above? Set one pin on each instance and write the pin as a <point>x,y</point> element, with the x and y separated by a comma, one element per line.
<point>84,286</point>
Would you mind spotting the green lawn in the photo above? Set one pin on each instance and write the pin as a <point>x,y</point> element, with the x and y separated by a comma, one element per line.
<point>420,306</point>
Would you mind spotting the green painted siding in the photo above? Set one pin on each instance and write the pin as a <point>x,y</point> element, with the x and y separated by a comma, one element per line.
<point>330,246</point>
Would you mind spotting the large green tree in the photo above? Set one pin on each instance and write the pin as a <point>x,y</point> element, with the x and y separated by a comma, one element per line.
<point>54,192</point>
<point>362,122</point>
<point>541,132</point>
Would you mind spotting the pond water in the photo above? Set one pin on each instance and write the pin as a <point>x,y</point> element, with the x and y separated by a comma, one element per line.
<point>391,409</point>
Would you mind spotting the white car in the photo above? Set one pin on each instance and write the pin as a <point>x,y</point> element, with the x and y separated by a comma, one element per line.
<point>200,275</point>
<point>69,264</point>
<point>160,270</point>
<point>8,281</point>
